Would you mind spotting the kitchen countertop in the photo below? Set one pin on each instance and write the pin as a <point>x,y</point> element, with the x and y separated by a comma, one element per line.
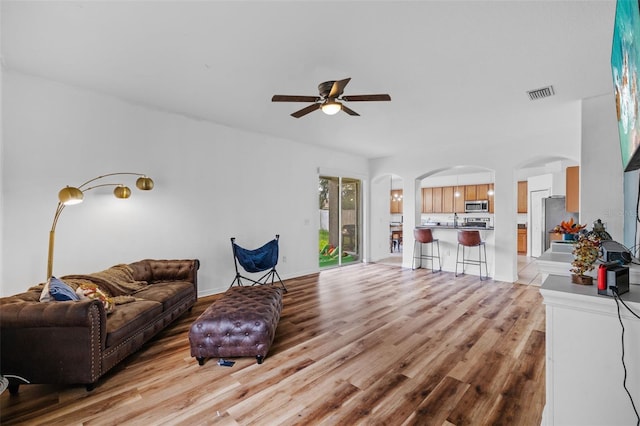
<point>479,228</point>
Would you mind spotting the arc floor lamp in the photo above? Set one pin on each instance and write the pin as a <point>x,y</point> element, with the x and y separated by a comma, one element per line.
<point>70,195</point>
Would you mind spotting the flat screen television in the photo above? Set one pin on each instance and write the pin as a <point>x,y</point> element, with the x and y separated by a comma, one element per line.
<point>625,63</point>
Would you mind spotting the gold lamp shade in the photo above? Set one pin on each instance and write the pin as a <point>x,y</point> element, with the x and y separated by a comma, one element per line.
<point>144,183</point>
<point>70,195</point>
<point>122,191</point>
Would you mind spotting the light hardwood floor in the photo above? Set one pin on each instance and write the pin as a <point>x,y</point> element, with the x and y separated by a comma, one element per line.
<point>363,344</point>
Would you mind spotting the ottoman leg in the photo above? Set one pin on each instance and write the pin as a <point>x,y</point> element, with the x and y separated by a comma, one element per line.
<point>259,358</point>
<point>200,360</point>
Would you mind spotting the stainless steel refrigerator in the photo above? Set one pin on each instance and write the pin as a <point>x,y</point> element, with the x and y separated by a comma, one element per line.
<point>554,211</point>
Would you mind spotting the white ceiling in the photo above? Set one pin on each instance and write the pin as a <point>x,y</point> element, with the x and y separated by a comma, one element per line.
<point>457,71</point>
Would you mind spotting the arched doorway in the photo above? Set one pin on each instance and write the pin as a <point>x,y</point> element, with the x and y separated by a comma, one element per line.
<point>538,181</point>
<point>387,235</point>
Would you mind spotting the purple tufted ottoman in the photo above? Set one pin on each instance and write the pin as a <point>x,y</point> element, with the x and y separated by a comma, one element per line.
<point>241,323</point>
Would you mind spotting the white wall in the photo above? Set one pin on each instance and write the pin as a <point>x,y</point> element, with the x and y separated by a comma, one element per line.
<point>212,183</point>
<point>379,196</point>
<point>455,180</point>
<point>601,175</point>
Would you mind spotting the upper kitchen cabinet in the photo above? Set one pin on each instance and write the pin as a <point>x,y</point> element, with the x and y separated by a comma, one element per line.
<point>490,196</point>
<point>482,191</point>
<point>443,199</point>
<point>396,201</point>
<point>523,196</point>
<point>448,199</point>
<point>437,200</point>
<point>573,189</point>
<point>427,200</point>
<point>458,202</point>
<point>470,193</point>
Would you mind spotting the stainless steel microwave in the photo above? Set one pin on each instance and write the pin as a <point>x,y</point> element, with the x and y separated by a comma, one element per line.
<point>476,206</point>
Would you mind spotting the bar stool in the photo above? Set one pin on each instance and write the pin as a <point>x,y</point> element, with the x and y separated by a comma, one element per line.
<point>424,236</point>
<point>471,239</point>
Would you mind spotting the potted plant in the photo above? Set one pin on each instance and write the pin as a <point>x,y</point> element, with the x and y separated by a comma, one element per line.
<point>586,251</point>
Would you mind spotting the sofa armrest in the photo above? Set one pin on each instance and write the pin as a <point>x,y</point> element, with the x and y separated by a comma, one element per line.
<point>54,342</point>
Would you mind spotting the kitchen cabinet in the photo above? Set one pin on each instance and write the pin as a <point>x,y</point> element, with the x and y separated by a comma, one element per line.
<point>573,189</point>
<point>491,204</point>
<point>522,241</point>
<point>448,199</point>
<point>443,200</point>
<point>470,193</point>
<point>437,200</point>
<point>396,201</point>
<point>482,191</point>
<point>458,202</point>
<point>427,200</point>
<point>523,195</point>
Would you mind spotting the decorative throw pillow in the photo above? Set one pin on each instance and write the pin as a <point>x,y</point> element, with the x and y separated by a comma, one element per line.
<point>45,296</point>
<point>57,290</point>
<point>92,291</point>
<point>61,291</point>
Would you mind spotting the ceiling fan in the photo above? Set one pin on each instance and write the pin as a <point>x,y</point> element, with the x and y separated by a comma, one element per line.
<point>330,99</point>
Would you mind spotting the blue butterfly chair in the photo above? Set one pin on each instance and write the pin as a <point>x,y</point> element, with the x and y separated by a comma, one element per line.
<point>261,259</point>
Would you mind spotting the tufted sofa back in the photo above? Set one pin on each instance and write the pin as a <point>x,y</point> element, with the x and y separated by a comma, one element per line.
<point>152,270</point>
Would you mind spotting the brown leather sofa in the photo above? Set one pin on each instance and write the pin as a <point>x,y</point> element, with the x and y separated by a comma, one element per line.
<point>77,342</point>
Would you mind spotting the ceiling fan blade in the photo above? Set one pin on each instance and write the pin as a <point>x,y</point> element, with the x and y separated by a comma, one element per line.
<point>349,110</point>
<point>305,110</point>
<point>338,88</point>
<point>359,98</point>
<point>294,98</point>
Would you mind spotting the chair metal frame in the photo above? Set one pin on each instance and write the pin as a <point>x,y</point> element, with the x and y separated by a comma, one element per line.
<point>270,275</point>
<point>422,256</point>
<point>481,245</point>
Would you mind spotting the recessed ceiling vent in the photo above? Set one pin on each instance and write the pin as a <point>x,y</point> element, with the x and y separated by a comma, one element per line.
<point>543,92</point>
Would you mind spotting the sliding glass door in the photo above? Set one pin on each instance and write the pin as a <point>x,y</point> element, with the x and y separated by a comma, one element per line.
<point>340,220</point>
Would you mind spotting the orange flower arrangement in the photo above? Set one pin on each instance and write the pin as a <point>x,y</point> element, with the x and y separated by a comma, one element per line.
<point>568,227</point>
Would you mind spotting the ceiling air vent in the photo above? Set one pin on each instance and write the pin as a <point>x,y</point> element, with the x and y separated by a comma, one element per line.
<point>543,92</point>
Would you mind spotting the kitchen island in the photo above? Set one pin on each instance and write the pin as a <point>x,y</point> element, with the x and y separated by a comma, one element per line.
<point>447,234</point>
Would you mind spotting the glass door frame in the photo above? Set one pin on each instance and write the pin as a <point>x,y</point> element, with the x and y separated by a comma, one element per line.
<point>343,231</point>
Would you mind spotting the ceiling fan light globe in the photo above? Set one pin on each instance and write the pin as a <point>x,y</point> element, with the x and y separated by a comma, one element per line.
<point>331,107</point>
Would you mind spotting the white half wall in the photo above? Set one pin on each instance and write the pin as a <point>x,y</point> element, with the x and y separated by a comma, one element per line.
<point>211,183</point>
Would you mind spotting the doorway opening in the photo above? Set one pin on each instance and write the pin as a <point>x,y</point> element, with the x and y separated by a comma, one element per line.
<point>340,233</point>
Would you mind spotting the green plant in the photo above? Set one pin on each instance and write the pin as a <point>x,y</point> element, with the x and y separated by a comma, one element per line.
<point>323,239</point>
<point>586,251</point>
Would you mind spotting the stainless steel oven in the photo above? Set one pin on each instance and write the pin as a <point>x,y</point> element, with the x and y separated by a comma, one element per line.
<point>476,206</point>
